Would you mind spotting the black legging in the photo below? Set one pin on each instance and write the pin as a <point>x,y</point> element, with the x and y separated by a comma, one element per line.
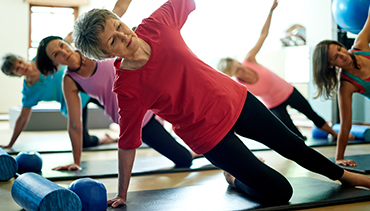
<point>298,102</point>
<point>87,139</point>
<point>253,176</point>
<point>157,137</point>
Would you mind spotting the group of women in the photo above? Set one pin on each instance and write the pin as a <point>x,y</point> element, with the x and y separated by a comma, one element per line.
<point>152,70</point>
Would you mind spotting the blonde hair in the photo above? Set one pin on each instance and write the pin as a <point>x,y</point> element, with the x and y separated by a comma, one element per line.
<point>226,65</point>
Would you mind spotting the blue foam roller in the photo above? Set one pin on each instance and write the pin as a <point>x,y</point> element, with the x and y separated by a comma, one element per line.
<point>31,191</point>
<point>318,133</point>
<point>92,193</point>
<point>359,131</point>
<point>8,166</point>
<point>29,162</point>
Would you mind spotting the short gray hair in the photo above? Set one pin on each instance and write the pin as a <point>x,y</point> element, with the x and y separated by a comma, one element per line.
<point>8,62</point>
<point>86,30</point>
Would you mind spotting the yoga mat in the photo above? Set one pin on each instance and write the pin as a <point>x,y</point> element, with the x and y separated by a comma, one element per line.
<point>49,142</point>
<point>363,163</point>
<point>308,193</point>
<point>109,168</point>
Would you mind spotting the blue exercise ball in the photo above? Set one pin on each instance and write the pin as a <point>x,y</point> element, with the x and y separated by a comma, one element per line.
<point>29,162</point>
<point>92,193</point>
<point>350,15</point>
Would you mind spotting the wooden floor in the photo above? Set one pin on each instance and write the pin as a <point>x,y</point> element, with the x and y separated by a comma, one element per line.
<point>161,181</point>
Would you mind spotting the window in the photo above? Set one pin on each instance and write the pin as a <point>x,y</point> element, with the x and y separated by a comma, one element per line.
<point>49,20</point>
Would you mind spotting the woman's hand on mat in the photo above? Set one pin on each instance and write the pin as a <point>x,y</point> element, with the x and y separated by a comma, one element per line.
<point>116,201</point>
<point>345,162</point>
<point>71,167</point>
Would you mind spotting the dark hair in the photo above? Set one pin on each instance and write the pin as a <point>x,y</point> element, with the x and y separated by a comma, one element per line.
<point>43,62</point>
<point>8,62</point>
<point>325,77</point>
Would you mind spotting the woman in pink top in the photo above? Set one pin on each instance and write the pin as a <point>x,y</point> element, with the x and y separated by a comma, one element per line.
<point>274,91</point>
<point>156,70</point>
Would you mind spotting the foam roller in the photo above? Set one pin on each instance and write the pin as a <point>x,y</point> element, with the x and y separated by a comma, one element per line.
<point>359,131</point>
<point>31,191</point>
<point>8,166</point>
<point>318,133</point>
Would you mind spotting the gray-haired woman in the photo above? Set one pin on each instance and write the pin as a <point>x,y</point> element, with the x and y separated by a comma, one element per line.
<point>156,70</point>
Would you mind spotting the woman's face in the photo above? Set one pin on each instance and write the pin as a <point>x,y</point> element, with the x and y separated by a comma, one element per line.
<point>338,56</point>
<point>22,67</point>
<point>118,39</point>
<point>61,53</point>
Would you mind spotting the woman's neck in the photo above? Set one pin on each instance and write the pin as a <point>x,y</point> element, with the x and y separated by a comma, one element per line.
<point>139,59</point>
<point>33,75</point>
<point>86,67</point>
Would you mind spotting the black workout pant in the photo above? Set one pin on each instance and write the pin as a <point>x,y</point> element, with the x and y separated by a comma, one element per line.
<point>298,102</point>
<point>157,137</point>
<point>253,176</point>
<point>87,139</point>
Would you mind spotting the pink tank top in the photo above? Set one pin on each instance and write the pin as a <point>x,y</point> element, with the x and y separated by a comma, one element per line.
<point>272,89</point>
<point>99,86</point>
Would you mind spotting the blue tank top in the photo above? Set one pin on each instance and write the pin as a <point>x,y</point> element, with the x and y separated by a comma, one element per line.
<point>363,85</point>
<point>49,88</point>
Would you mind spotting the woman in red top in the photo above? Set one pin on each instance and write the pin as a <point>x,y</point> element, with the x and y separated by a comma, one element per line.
<point>156,70</point>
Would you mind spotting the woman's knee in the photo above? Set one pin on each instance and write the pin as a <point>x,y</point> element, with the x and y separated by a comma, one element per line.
<point>280,192</point>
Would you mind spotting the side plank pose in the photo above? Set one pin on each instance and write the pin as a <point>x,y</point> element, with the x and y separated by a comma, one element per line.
<point>330,59</point>
<point>95,78</point>
<point>156,70</point>
<point>275,92</point>
<point>36,88</point>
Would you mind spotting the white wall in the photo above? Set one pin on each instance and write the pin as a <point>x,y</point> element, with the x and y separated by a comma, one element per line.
<point>217,28</point>
<point>14,38</point>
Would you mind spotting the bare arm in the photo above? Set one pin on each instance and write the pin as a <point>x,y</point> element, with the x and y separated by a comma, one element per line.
<point>120,7</point>
<point>363,39</point>
<point>125,162</point>
<point>345,108</point>
<point>73,101</point>
<point>20,124</point>
<point>251,55</point>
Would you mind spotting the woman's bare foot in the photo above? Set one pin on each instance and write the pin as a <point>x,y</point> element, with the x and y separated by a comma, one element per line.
<point>261,159</point>
<point>230,179</point>
<point>114,126</point>
<point>107,140</point>
<point>195,155</point>
<point>353,179</point>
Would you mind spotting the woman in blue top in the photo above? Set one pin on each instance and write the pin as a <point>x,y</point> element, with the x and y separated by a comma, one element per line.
<point>36,88</point>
